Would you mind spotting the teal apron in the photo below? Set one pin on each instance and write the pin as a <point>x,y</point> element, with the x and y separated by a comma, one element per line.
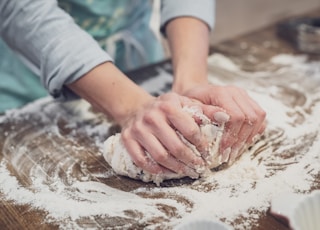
<point>121,27</point>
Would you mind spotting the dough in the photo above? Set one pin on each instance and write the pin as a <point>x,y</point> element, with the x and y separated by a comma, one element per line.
<point>120,161</point>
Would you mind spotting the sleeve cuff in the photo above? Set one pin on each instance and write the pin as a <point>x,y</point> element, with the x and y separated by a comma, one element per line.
<point>201,9</point>
<point>82,57</point>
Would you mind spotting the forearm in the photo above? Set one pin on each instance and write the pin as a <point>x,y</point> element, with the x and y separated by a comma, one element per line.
<point>189,45</point>
<point>111,92</point>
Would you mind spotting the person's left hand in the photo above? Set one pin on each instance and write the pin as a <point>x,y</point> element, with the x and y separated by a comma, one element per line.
<point>247,118</point>
<point>149,134</point>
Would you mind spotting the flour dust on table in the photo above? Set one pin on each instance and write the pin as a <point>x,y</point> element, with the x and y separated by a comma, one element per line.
<point>51,159</point>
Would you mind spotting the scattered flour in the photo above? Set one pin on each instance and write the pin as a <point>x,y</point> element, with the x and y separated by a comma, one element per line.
<point>286,160</point>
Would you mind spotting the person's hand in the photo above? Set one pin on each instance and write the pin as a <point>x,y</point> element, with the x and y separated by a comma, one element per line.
<point>149,135</point>
<point>148,124</point>
<point>247,118</point>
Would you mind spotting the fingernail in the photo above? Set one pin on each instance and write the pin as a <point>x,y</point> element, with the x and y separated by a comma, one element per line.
<point>225,155</point>
<point>236,153</point>
<point>221,117</point>
<point>241,150</point>
<point>233,155</point>
<point>197,162</point>
<point>191,173</point>
<point>255,138</point>
<point>200,169</point>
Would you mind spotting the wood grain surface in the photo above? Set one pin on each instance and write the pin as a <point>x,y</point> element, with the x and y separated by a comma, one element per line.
<point>73,156</point>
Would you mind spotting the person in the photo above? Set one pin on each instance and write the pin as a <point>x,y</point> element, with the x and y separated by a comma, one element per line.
<point>63,42</point>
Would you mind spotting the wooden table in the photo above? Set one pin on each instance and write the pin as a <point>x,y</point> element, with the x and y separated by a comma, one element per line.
<point>31,133</point>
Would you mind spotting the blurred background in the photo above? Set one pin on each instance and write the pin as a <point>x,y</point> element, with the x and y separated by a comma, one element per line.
<point>237,17</point>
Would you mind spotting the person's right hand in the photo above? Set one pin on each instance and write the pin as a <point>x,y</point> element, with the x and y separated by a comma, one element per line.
<point>149,135</point>
<point>247,118</point>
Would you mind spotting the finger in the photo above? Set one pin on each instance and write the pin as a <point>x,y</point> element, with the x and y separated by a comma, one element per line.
<point>236,152</point>
<point>225,155</point>
<point>242,145</point>
<point>169,139</point>
<point>234,124</point>
<point>164,158</point>
<point>252,121</point>
<point>251,127</point>
<point>139,157</point>
<point>179,147</point>
<point>244,132</point>
<point>258,135</point>
<point>201,114</point>
<point>187,126</point>
<point>260,124</point>
<point>262,127</point>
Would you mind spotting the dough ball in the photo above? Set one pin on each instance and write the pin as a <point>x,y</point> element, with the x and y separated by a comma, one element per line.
<point>119,159</point>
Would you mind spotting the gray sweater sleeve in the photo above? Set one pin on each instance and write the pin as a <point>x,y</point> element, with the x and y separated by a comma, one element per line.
<point>49,39</point>
<point>201,9</point>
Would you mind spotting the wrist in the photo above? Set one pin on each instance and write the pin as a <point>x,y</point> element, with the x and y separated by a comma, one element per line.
<point>108,90</point>
<point>182,87</point>
<point>187,78</point>
<point>189,45</point>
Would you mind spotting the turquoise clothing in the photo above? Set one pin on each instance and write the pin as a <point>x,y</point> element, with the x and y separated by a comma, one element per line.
<point>127,22</point>
<point>46,42</point>
<point>15,91</point>
<point>120,27</point>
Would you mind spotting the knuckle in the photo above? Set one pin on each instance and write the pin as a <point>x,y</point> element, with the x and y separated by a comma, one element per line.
<point>167,108</point>
<point>182,169</point>
<point>150,118</point>
<point>237,118</point>
<point>252,119</point>
<point>165,96</point>
<point>161,157</point>
<point>179,150</point>
<point>193,133</point>
<point>125,136</point>
<point>229,139</point>
<point>261,113</point>
<point>140,162</point>
<point>137,128</point>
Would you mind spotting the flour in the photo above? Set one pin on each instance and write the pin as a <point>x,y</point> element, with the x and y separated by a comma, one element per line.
<point>84,200</point>
<point>71,183</point>
<point>298,63</point>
